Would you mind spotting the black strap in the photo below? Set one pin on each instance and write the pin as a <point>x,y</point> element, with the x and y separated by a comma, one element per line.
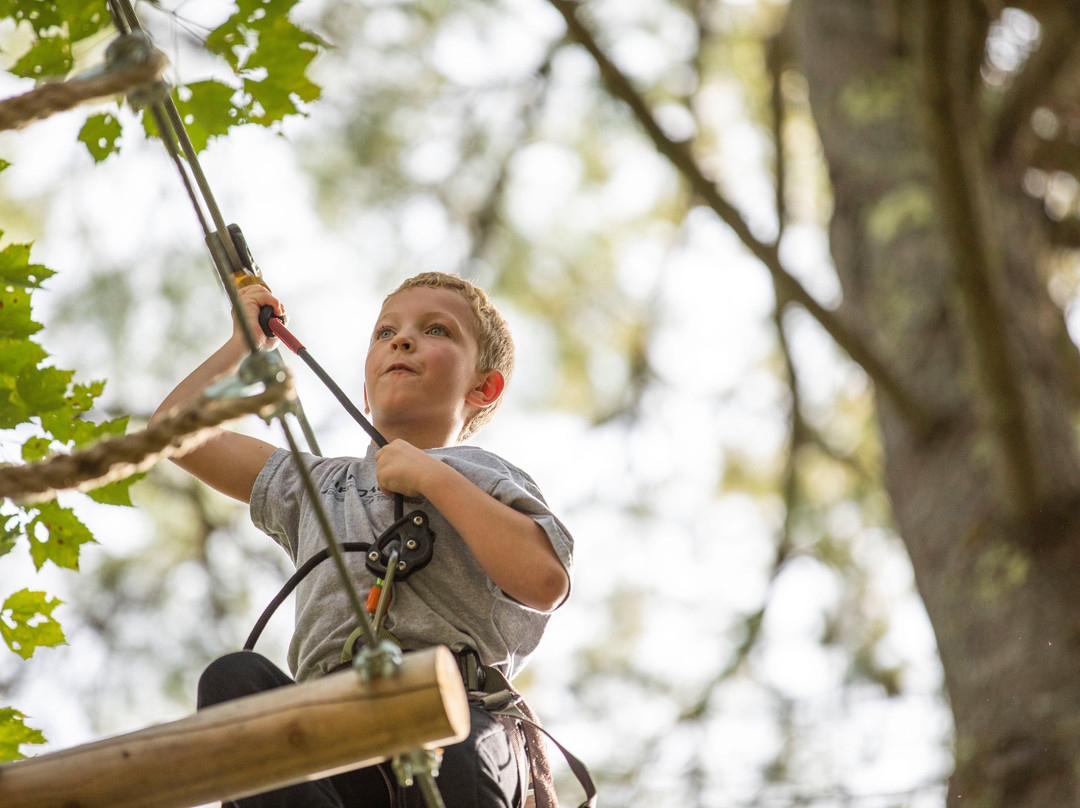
<point>293,582</point>
<point>580,770</point>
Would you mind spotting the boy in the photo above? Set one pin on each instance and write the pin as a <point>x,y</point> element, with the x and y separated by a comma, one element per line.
<point>437,365</point>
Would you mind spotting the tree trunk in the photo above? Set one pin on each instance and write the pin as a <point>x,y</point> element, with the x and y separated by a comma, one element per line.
<point>997,568</point>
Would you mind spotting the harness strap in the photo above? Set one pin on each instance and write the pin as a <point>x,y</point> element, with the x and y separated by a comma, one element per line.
<point>496,695</point>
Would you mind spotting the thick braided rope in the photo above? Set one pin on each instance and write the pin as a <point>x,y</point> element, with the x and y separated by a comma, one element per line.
<point>117,458</point>
<point>60,96</point>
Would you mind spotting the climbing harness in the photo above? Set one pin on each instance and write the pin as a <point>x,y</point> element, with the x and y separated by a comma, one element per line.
<point>487,687</point>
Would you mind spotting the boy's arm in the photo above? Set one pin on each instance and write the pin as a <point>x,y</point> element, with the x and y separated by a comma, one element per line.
<point>512,548</point>
<point>226,461</point>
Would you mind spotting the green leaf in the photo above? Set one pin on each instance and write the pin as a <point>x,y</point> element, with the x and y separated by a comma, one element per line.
<point>49,57</point>
<point>285,52</point>
<point>65,427</point>
<point>35,449</point>
<point>228,41</point>
<point>284,49</point>
<point>16,269</point>
<point>14,733</point>
<point>82,395</point>
<point>259,14</point>
<point>85,18</point>
<point>16,354</point>
<point>10,531</point>
<point>26,622</point>
<point>116,493</point>
<point>43,389</point>
<point>43,15</point>
<point>208,111</point>
<point>12,411</point>
<point>101,135</point>
<point>86,432</point>
<point>64,535</point>
<point>15,318</point>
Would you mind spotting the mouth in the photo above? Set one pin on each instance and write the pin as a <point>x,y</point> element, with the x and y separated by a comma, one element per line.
<point>398,367</point>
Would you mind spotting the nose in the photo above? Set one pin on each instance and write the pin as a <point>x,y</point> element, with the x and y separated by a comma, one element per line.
<point>402,341</point>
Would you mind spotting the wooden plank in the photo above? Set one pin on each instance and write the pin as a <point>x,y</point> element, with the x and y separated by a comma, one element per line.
<point>266,741</point>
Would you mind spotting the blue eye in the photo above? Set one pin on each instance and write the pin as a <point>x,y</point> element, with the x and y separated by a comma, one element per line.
<point>383,333</point>
<point>439,331</point>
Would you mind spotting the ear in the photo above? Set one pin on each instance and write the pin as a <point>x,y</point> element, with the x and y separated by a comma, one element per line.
<point>367,408</point>
<point>488,391</point>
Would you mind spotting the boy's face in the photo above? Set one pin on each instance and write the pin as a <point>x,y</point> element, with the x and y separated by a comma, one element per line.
<point>421,369</point>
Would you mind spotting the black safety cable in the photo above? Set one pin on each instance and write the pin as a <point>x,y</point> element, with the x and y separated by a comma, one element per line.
<point>328,536</point>
<point>293,582</point>
<point>274,326</point>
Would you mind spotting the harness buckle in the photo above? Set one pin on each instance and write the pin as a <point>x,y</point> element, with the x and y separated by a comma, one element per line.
<point>473,673</point>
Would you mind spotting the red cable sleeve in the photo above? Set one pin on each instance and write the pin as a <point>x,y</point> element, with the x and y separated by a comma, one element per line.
<point>285,335</point>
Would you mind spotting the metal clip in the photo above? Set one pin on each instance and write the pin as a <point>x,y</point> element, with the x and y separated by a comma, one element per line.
<point>128,50</point>
<point>257,372</point>
<point>384,660</point>
<point>132,50</point>
<point>422,767</point>
<point>417,762</point>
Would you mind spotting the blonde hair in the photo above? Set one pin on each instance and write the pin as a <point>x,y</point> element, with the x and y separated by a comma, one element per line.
<point>496,345</point>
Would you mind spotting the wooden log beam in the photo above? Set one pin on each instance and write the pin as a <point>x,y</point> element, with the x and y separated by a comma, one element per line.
<point>266,741</point>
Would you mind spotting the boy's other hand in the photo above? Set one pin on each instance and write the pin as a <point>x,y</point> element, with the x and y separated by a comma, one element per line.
<point>401,468</point>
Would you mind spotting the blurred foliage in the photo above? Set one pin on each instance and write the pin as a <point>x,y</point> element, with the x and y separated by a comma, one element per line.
<point>543,189</point>
<point>473,137</point>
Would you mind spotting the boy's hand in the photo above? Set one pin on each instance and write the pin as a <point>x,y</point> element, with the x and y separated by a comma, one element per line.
<point>252,298</point>
<point>403,469</point>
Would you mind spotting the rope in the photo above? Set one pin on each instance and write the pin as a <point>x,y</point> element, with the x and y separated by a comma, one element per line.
<point>117,458</point>
<point>60,96</point>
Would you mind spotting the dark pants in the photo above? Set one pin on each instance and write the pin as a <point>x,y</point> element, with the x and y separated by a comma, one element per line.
<point>479,772</point>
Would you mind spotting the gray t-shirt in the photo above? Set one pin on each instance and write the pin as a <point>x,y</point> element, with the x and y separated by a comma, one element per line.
<point>451,601</point>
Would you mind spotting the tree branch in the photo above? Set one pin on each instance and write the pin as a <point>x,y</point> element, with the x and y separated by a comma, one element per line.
<point>775,57</point>
<point>1064,232</point>
<point>483,220</point>
<point>1036,81</point>
<point>1056,154</point>
<point>978,273</point>
<point>679,154</point>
